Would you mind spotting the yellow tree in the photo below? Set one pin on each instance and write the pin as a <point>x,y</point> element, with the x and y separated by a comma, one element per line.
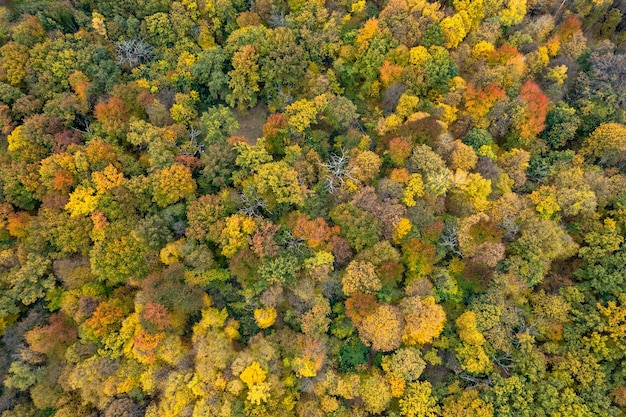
<point>606,145</point>
<point>172,184</point>
<point>382,330</point>
<point>424,320</point>
<point>361,277</point>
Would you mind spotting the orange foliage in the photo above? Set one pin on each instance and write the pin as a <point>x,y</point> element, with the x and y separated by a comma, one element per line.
<point>156,315</point>
<point>383,329</point>
<point>359,306</point>
<point>569,27</point>
<point>106,319</point>
<point>17,224</point>
<point>400,149</point>
<point>389,73</point>
<point>478,102</point>
<point>145,345</point>
<point>536,110</point>
<point>62,180</point>
<point>275,123</point>
<point>113,114</point>
<point>316,233</point>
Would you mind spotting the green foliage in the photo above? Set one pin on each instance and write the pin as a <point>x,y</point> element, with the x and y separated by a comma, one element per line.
<point>217,124</point>
<point>448,176</point>
<point>359,227</point>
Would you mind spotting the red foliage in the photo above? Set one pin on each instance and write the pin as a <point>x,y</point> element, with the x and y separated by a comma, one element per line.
<point>537,109</point>
<point>63,139</point>
<point>54,337</point>
<point>432,232</point>
<point>503,54</point>
<point>156,315</point>
<point>263,243</point>
<point>189,161</point>
<point>390,272</point>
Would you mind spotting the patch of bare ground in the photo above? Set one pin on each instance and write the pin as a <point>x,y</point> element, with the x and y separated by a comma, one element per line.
<point>251,122</point>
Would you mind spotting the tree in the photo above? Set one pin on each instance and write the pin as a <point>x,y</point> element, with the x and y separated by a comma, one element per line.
<point>172,184</point>
<point>218,123</point>
<point>419,257</point>
<point>361,277</point>
<point>418,401</point>
<point>113,115</point>
<point>208,71</point>
<point>606,145</point>
<point>375,393</point>
<point>244,78</point>
<point>424,320</point>
<point>561,125</point>
<point>278,183</point>
<point>359,227</point>
<point>382,330</point>
<point>405,363</point>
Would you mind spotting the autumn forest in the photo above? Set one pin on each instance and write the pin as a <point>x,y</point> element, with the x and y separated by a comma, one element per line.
<point>310,208</point>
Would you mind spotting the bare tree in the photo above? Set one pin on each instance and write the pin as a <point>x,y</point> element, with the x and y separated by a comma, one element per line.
<point>338,170</point>
<point>134,52</point>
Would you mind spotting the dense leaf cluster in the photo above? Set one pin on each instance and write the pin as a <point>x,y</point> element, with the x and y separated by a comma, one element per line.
<point>312,208</point>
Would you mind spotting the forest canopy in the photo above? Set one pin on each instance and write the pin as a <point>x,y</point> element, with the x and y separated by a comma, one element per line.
<point>291,208</point>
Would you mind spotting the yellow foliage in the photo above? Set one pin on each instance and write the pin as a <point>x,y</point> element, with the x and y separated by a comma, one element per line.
<point>415,188</point>
<point>553,45</point>
<point>265,317</point>
<point>365,166</point>
<point>235,234</point>
<point>397,385</point>
<point>97,22</point>
<point>258,393</point>
<point>82,201</point>
<point>558,74</point>
<point>108,179</point>
<point>473,359</point>
<point>329,404</point>
<point>418,402</point>
<point>545,201</point>
<point>304,367</point>
<point>362,277</point>
<point>16,140</point>
<point>172,252</point>
<point>424,320</point>
<point>407,104</point>
<point>449,113</point>
<point>368,31</point>
<point>301,114</point>
<point>514,13</point>
<point>253,374</point>
<point>468,332</point>
<point>402,229</point>
<point>455,28</point>
<point>482,50</point>
<point>419,55</point>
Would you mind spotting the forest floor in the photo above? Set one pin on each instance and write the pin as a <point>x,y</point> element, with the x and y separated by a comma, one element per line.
<point>251,122</point>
